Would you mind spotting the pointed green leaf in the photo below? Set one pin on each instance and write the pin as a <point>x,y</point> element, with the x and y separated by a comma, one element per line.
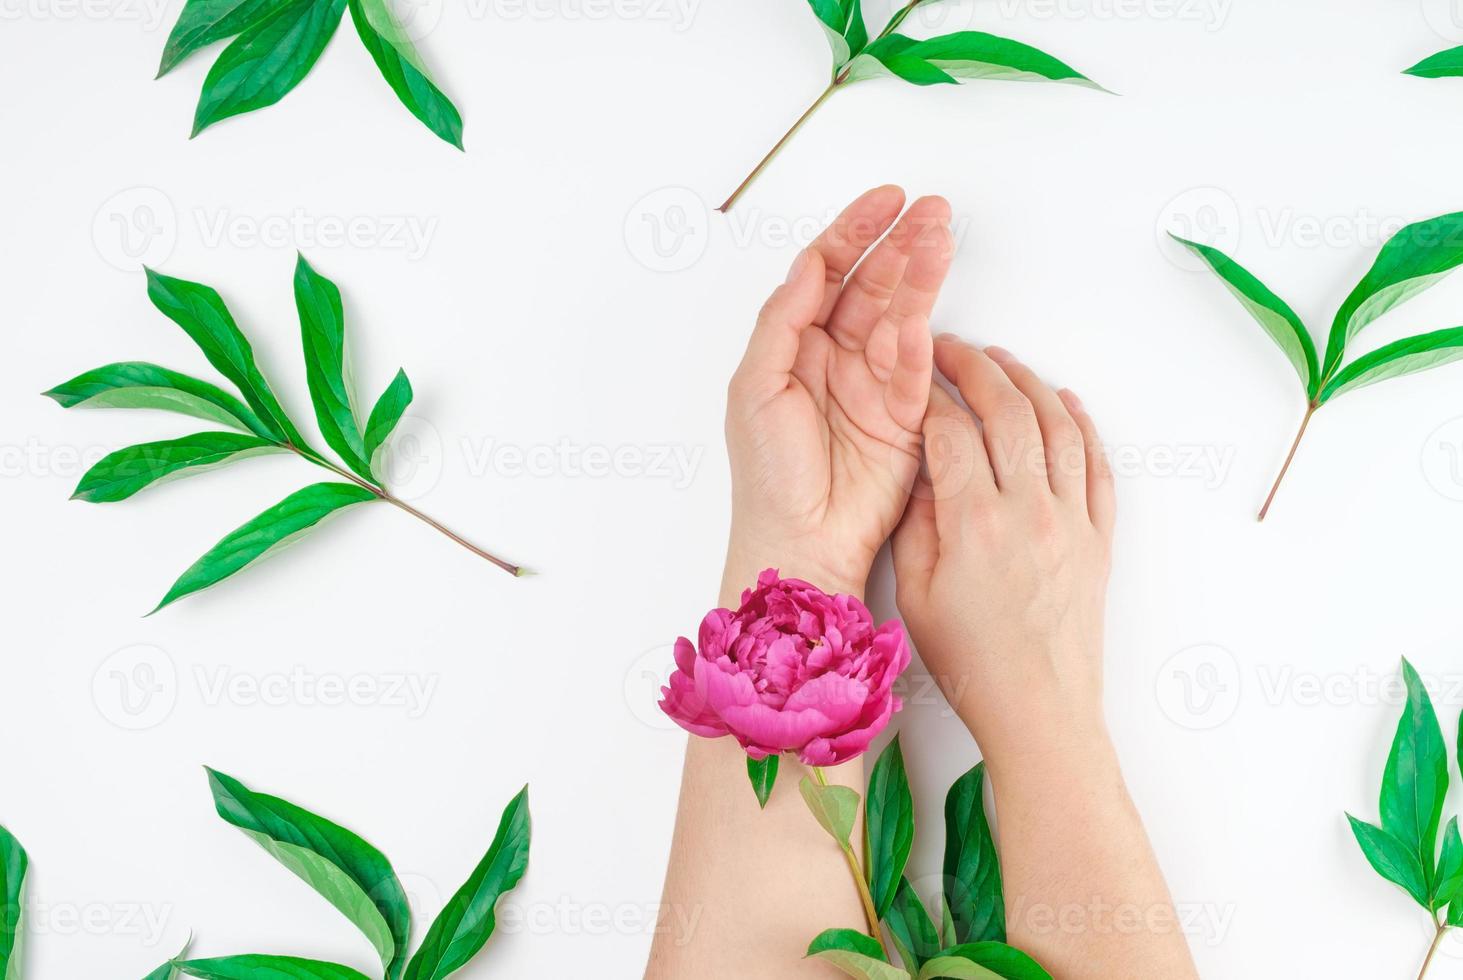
<point>1391,859</point>
<point>322,333</point>
<point>469,918</point>
<point>348,872</point>
<point>119,475</point>
<point>259,967</point>
<point>13,865</point>
<point>890,56</point>
<point>397,58</point>
<point>763,774</point>
<point>386,414</point>
<point>953,966</point>
<point>843,25</point>
<point>204,22</point>
<point>834,807</point>
<point>965,54</point>
<point>169,970</point>
<point>1416,778</point>
<point>201,312</point>
<point>912,927</point>
<point>1448,881</point>
<point>1441,65</point>
<point>1407,356</point>
<point>947,922</point>
<point>888,826</point>
<point>1411,261</point>
<point>972,870</point>
<point>981,961</point>
<point>1270,312</point>
<point>136,384</point>
<point>856,954</point>
<point>293,515</point>
<point>267,60</point>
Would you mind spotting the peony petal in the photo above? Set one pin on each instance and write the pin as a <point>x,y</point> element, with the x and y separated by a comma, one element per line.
<point>839,699</point>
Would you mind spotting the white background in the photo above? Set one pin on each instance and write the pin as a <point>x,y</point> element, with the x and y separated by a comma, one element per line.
<point>538,311</point>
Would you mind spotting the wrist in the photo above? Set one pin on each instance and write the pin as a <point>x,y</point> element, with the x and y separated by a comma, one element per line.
<point>1066,750</point>
<point>745,560</point>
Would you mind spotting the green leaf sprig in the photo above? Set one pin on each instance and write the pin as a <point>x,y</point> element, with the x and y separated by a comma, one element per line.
<point>359,881</point>
<point>261,424</point>
<point>277,42</point>
<point>1404,849</point>
<point>13,866</point>
<point>942,60</point>
<point>969,943</point>
<point>1444,64</point>
<point>1411,261</point>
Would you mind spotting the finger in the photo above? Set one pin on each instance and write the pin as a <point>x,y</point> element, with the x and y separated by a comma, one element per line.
<point>1101,495</point>
<point>1012,436</point>
<point>1066,457</point>
<point>907,394</point>
<point>915,545</point>
<point>918,248</point>
<point>843,243</point>
<point>773,348</point>
<point>959,471</point>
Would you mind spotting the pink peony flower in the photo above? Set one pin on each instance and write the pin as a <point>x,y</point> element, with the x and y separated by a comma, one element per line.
<point>793,670</point>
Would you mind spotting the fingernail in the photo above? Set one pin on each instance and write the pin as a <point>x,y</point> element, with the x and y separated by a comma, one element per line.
<point>948,337</point>
<point>798,265</point>
<point>1072,397</point>
<point>999,354</point>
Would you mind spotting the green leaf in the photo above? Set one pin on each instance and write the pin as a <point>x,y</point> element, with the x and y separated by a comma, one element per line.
<point>169,970</point>
<point>386,414</point>
<point>267,60</point>
<point>201,312</point>
<point>947,922</point>
<point>965,54</point>
<point>843,24</point>
<point>980,961</point>
<point>119,475</point>
<point>259,967</point>
<point>204,22</point>
<point>856,954</point>
<point>348,872</point>
<point>912,927</point>
<point>834,807</point>
<point>762,773</point>
<point>1407,356</point>
<point>136,384</point>
<point>293,515</point>
<point>469,918</point>
<point>1414,259</point>
<point>322,333</point>
<point>1449,878</point>
<point>1440,65</point>
<point>888,826</point>
<point>1270,312</point>
<point>972,870</point>
<point>13,864</point>
<point>397,58</point>
<point>1391,859</point>
<point>1416,778</point>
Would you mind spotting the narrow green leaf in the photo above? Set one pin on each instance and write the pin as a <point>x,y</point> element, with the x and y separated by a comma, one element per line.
<point>401,66</point>
<point>204,22</point>
<point>890,56</point>
<point>1411,261</point>
<point>1449,878</point>
<point>136,384</point>
<point>888,826</point>
<point>972,869</point>
<point>843,25</point>
<point>293,515</point>
<point>1270,311</point>
<point>954,966</point>
<point>965,54</point>
<point>848,939</point>
<point>267,60</point>
<point>470,917</point>
<point>349,873</point>
<point>13,865</point>
<point>980,961</point>
<point>322,333</point>
<point>1407,356</point>
<point>947,922</point>
<point>855,954</point>
<point>1416,778</point>
<point>259,967</point>
<point>834,807</point>
<point>386,414</point>
<point>762,773</point>
<point>119,475</point>
<point>1391,858</point>
<point>1441,65</point>
<point>169,970</point>
<point>912,927</point>
<point>202,314</point>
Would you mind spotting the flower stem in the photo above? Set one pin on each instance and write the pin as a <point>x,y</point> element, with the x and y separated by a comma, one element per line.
<point>864,895</point>
<point>383,494</point>
<point>1433,949</point>
<point>1304,424</point>
<point>757,171</point>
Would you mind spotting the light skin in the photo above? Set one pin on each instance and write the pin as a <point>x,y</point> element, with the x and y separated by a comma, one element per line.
<point>1001,562</point>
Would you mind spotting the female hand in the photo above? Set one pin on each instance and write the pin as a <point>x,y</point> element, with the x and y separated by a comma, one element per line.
<point>824,413</point>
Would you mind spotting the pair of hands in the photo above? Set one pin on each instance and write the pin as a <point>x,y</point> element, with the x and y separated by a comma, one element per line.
<point>1001,539</point>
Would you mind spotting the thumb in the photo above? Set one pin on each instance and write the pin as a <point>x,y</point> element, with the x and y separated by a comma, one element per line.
<point>773,347</point>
